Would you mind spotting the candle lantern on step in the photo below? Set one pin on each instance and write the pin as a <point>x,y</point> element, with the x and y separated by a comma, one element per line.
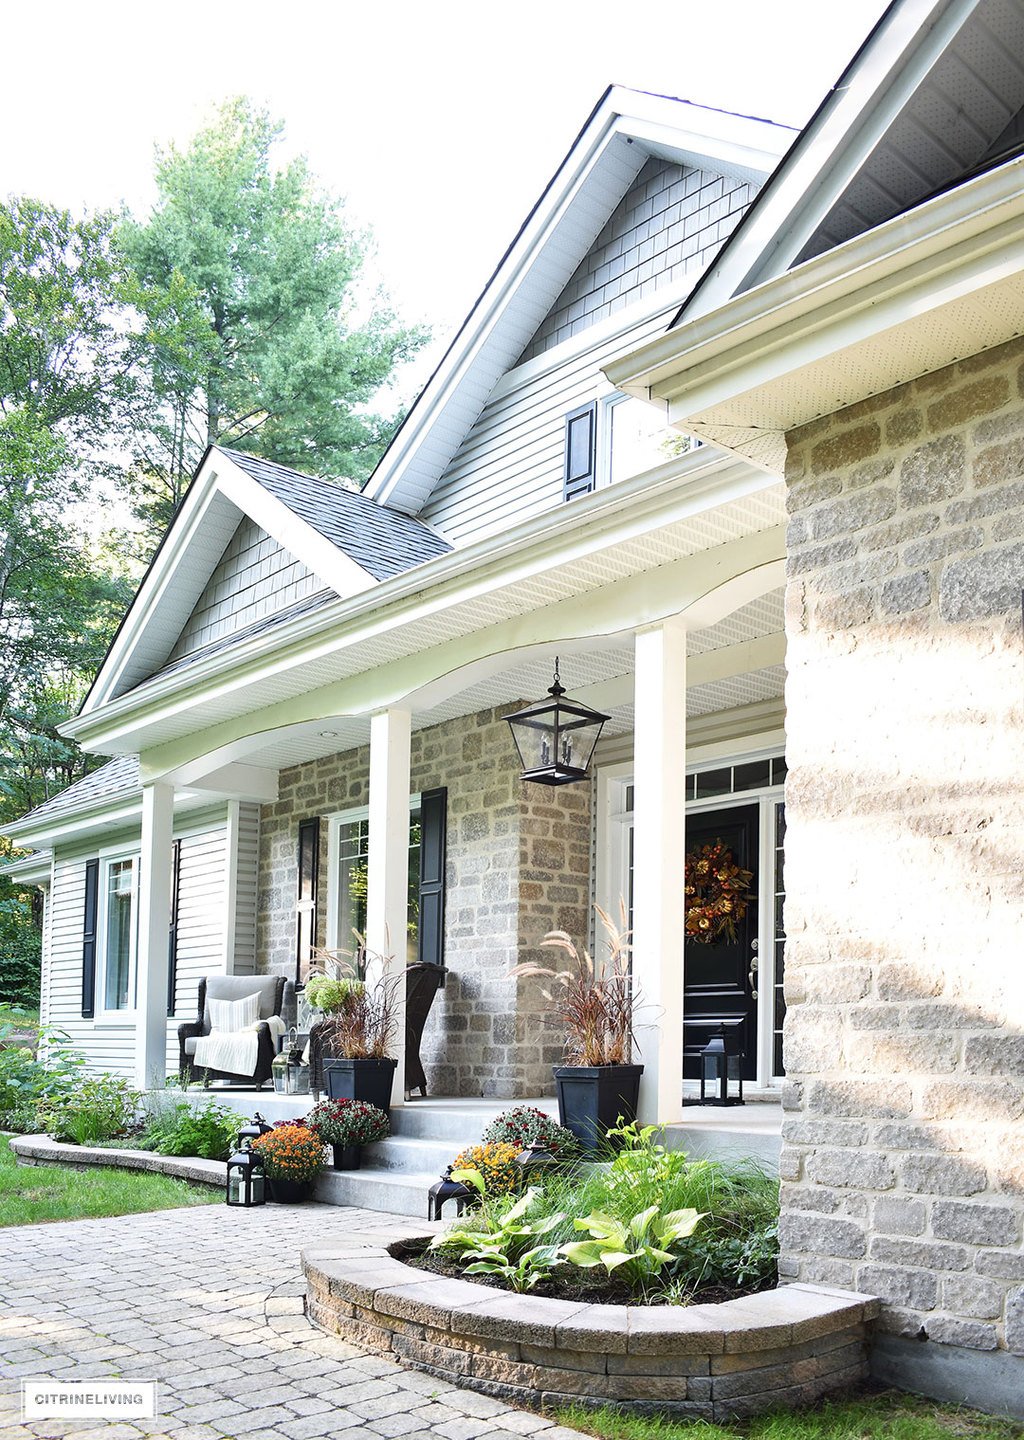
<point>721,1068</point>
<point>556,737</point>
<point>534,1160</point>
<point>289,1073</point>
<point>444,1190</point>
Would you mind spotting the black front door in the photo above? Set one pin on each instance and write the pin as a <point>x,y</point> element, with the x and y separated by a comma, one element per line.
<point>717,985</point>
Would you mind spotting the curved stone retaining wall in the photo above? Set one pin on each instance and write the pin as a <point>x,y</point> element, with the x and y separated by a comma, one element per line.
<point>41,1150</point>
<point>784,1347</point>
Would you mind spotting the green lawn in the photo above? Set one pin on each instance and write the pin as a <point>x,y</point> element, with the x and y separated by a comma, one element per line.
<point>888,1416</point>
<point>30,1193</point>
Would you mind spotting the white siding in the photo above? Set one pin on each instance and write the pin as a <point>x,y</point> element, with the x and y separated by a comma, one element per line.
<point>203,930</point>
<point>44,968</point>
<point>664,232</point>
<point>247,866</point>
<point>670,223</point>
<point>106,1045</point>
<point>255,578</point>
<point>510,465</point>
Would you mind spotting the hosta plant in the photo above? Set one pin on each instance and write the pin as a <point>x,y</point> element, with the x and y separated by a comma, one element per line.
<point>502,1244</point>
<point>640,1248</point>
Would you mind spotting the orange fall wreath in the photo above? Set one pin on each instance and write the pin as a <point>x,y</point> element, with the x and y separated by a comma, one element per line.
<point>717,893</point>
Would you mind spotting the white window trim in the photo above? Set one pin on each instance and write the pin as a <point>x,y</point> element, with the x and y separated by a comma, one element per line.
<point>334,827</point>
<point>606,404</point>
<point>613,855</point>
<point>126,1015</point>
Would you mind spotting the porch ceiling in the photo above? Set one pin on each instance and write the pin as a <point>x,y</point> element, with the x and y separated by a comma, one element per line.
<point>583,665</point>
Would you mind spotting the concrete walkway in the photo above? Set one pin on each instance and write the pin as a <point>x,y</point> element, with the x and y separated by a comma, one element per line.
<point>208,1302</point>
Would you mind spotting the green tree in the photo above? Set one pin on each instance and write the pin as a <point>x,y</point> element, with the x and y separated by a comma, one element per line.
<point>67,353</point>
<point>251,287</point>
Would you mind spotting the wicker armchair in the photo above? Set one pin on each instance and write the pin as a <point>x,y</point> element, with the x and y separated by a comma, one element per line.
<point>275,999</point>
<point>422,982</point>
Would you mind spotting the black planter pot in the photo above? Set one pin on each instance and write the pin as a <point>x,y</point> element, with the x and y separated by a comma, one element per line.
<point>591,1098</point>
<point>347,1157</point>
<point>289,1192</point>
<point>368,1080</point>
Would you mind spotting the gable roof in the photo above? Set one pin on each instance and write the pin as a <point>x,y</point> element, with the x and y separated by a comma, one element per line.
<point>934,84</point>
<point>117,779</point>
<point>625,129</point>
<point>383,542</point>
<point>347,540</point>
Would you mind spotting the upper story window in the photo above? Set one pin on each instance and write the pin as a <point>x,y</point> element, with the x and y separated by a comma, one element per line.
<point>612,440</point>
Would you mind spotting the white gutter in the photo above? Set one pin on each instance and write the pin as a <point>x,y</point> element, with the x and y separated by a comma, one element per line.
<point>949,247</point>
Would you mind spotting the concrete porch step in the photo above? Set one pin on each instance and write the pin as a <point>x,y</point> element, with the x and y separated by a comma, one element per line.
<point>396,1192</point>
<point>418,1156</point>
<point>459,1121</point>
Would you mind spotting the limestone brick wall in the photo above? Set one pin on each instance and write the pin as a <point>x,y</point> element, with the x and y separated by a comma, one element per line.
<point>518,864</point>
<point>903,1157</point>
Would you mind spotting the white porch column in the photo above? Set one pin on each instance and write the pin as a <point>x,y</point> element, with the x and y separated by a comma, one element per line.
<point>387,871</point>
<point>659,857</point>
<point>153,933</point>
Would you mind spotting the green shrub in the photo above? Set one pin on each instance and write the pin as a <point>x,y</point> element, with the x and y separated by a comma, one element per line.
<point>99,1108</point>
<point>32,1076</point>
<point>179,1129</point>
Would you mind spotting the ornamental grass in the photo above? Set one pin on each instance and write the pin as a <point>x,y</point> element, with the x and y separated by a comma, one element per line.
<point>595,1004</point>
<point>291,1152</point>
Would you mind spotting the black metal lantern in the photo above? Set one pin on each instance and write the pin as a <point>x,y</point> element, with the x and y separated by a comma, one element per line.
<point>535,1160</point>
<point>556,737</point>
<point>721,1068</point>
<point>251,1131</point>
<point>444,1190</point>
<point>246,1182</point>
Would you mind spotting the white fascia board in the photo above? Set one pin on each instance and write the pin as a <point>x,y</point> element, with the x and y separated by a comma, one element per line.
<point>101,817</point>
<point>534,546</point>
<point>163,573</point>
<point>31,869</point>
<point>852,121</point>
<point>652,123</point>
<point>949,247</point>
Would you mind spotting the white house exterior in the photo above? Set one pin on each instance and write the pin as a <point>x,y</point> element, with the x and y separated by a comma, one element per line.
<point>818,605</point>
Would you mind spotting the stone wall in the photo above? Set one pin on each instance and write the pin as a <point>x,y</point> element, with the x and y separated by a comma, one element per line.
<point>903,1156</point>
<point>518,865</point>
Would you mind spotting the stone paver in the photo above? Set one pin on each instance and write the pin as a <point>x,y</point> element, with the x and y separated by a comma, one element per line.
<point>209,1303</point>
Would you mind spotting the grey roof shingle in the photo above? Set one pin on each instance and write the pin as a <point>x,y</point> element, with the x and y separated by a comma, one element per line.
<point>118,777</point>
<point>383,542</point>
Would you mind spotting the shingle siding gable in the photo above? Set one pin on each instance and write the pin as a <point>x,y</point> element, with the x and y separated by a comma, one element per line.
<point>669,224</point>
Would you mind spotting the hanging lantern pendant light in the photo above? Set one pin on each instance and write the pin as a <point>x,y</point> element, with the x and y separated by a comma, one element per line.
<point>556,737</point>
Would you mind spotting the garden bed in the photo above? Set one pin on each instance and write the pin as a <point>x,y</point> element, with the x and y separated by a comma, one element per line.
<point>788,1346</point>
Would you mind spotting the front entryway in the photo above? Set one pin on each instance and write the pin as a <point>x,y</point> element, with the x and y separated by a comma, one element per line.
<point>739,801</point>
<point>719,983</point>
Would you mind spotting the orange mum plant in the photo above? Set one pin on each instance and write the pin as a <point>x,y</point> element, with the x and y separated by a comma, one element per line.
<point>291,1152</point>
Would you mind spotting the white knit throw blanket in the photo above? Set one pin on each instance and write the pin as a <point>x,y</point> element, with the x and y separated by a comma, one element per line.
<point>234,1051</point>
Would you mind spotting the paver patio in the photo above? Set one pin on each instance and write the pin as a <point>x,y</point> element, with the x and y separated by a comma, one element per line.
<point>208,1302</point>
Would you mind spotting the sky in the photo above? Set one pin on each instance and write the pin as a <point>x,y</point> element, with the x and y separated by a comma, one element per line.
<point>439,123</point>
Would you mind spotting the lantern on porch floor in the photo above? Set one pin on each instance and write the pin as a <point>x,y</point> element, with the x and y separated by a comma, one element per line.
<point>721,1069</point>
<point>246,1182</point>
<point>556,737</point>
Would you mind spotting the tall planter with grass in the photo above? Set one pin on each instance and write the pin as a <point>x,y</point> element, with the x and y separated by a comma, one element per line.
<point>358,1027</point>
<point>598,1086</point>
